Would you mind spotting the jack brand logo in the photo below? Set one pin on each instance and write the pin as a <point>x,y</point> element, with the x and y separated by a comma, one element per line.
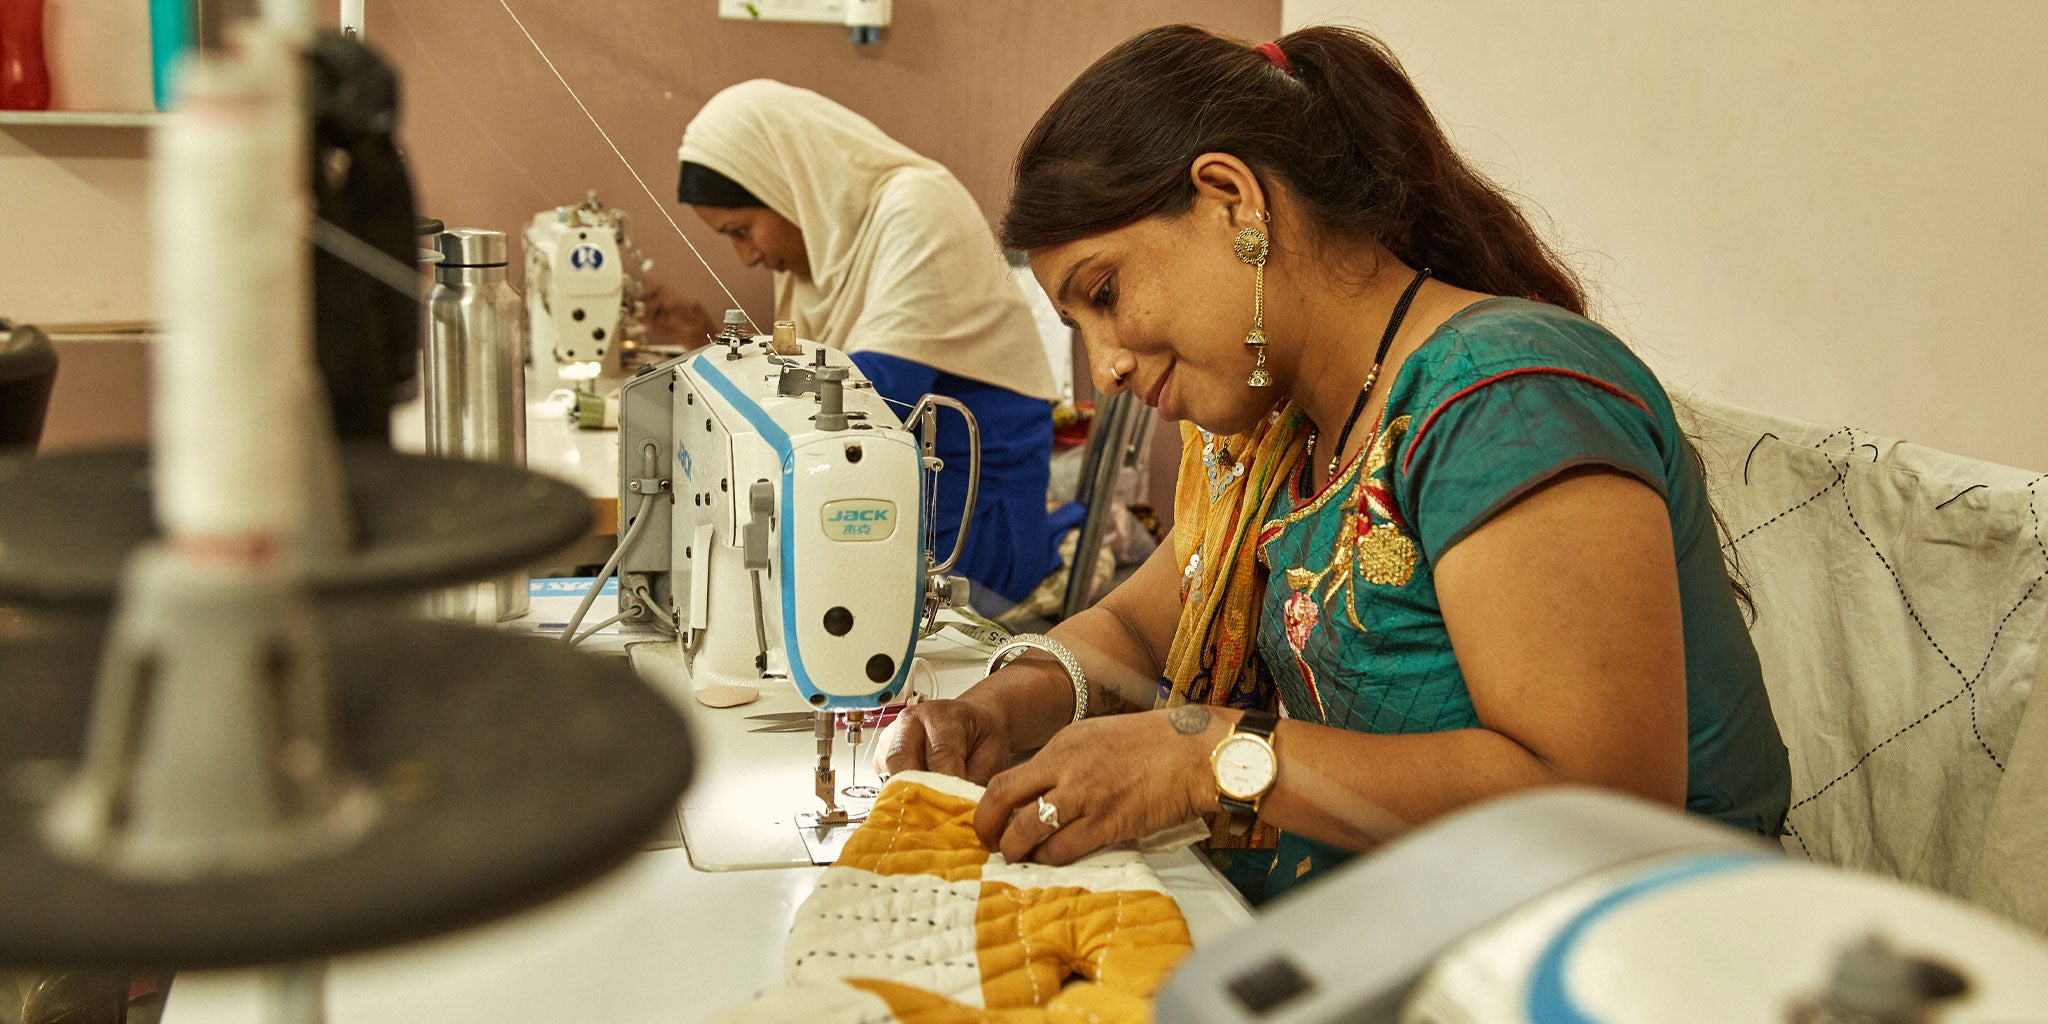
<point>854,519</point>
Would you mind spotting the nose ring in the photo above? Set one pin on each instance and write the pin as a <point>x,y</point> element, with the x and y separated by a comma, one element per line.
<point>1117,376</point>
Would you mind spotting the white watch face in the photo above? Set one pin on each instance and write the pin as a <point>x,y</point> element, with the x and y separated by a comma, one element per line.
<point>1244,767</point>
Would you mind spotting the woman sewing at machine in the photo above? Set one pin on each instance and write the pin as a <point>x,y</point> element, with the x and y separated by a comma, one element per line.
<point>1442,526</point>
<point>880,252</point>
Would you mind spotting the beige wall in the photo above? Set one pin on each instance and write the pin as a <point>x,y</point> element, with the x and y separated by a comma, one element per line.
<point>1830,210</point>
<point>493,138</point>
<point>72,199</point>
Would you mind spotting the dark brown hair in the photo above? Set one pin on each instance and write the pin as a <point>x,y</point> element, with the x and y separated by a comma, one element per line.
<point>1345,131</point>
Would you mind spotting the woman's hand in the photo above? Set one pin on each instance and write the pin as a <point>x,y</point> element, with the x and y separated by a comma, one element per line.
<point>962,738</point>
<point>674,321</point>
<point>1109,780</point>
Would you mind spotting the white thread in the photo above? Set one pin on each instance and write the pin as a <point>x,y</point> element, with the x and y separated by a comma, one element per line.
<point>1102,958</point>
<point>229,197</point>
<point>663,210</point>
<point>1023,940</point>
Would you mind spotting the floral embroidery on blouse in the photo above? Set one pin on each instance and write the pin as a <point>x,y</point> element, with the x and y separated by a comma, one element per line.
<point>1373,543</point>
<point>1373,539</point>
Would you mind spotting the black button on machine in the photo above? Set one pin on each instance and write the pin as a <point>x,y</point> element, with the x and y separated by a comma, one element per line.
<point>839,622</point>
<point>881,668</point>
<point>1266,988</point>
<point>575,314</point>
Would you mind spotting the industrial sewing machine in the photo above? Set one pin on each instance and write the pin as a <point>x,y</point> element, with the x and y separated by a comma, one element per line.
<point>582,303</point>
<point>773,514</point>
<point>1584,906</point>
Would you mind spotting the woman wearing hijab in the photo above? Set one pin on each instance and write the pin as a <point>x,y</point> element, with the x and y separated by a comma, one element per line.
<point>881,253</point>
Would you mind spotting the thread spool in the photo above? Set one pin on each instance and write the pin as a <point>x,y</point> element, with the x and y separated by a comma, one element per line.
<point>784,339</point>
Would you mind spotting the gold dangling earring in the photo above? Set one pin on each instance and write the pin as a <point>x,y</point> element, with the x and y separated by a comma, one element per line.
<point>1251,247</point>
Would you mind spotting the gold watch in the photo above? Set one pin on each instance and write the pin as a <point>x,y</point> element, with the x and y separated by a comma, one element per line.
<point>1246,764</point>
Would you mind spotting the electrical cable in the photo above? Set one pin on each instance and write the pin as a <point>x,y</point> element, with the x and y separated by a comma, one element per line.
<point>594,630</point>
<point>647,597</point>
<point>640,519</point>
<point>659,208</point>
<point>338,243</point>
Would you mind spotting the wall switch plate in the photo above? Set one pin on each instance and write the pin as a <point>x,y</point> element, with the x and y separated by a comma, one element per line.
<point>825,11</point>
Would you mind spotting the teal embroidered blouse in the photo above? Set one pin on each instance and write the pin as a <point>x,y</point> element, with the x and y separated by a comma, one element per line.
<point>1504,396</point>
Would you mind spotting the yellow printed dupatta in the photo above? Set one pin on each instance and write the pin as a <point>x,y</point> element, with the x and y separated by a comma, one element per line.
<point>1225,493</point>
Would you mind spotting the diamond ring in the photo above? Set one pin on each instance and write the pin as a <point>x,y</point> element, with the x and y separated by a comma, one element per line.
<point>1048,814</point>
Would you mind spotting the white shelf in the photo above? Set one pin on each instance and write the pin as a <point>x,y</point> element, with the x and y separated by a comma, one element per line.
<point>83,118</point>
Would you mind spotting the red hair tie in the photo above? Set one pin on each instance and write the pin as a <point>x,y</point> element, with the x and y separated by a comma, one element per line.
<point>1273,53</point>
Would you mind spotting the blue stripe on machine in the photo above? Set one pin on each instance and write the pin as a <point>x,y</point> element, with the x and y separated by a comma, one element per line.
<point>1550,1000</point>
<point>778,439</point>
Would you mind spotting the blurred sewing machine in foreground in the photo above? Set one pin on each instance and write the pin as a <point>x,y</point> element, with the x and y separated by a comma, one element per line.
<point>1582,906</point>
<point>583,289</point>
<point>773,515</point>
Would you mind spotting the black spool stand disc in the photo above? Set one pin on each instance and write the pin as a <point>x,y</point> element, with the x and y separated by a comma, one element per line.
<point>511,768</point>
<point>69,521</point>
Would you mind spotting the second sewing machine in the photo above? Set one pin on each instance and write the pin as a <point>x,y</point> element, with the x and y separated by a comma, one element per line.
<point>774,515</point>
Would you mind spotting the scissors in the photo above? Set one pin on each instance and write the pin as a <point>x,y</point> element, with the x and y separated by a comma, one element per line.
<point>805,721</point>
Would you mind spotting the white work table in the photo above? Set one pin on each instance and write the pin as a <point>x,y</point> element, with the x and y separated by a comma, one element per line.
<point>554,446</point>
<point>658,940</point>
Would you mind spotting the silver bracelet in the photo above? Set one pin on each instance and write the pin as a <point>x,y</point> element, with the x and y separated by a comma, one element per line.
<point>1022,642</point>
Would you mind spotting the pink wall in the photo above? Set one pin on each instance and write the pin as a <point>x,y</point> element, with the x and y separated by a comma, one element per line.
<point>493,137</point>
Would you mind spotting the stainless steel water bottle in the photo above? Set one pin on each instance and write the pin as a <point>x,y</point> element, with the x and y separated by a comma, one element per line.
<point>475,369</point>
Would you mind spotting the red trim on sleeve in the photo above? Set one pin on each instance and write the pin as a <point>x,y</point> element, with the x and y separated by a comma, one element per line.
<point>1415,439</point>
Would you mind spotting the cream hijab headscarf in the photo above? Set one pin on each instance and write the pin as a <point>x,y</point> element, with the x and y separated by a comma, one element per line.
<point>902,262</point>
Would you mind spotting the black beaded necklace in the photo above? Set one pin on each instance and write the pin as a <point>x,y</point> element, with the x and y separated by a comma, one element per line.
<point>1372,376</point>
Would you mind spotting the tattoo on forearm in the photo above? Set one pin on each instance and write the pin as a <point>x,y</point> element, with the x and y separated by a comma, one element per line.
<point>1113,703</point>
<point>1189,719</point>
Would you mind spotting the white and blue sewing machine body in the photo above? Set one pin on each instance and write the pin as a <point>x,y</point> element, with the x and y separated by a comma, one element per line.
<point>582,291</point>
<point>1579,906</point>
<point>788,552</point>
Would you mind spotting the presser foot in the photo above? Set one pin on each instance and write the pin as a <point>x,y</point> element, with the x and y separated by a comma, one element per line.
<point>825,832</point>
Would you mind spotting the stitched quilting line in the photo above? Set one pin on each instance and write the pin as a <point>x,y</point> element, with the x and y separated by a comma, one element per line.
<point>2010,612</point>
<point>894,834</point>
<point>1967,687</point>
<point>1037,998</point>
<point>853,954</point>
<point>1102,958</point>
<point>1866,754</point>
<point>1969,682</point>
<point>880,920</point>
<point>2036,515</point>
<point>1851,431</point>
<point>1840,475</point>
<point>1794,833</point>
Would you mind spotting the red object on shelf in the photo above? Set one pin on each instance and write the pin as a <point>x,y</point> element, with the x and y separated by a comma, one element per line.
<point>24,74</point>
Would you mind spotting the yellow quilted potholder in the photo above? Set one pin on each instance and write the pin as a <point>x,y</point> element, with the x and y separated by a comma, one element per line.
<point>916,922</point>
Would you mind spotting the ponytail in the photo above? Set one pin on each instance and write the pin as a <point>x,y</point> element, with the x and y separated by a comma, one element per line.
<point>1335,120</point>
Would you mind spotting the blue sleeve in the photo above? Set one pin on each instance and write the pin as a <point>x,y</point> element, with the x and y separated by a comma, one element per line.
<point>898,380</point>
<point>1490,442</point>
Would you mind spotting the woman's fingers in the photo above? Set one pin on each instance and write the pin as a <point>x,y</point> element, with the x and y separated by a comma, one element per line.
<point>1026,830</point>
<point>901,748</point>
<point>945,749</point>
<point>943,737</point>
<point>1071,835</point>
<point>1007,792</point>
<point>1074,840</point>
